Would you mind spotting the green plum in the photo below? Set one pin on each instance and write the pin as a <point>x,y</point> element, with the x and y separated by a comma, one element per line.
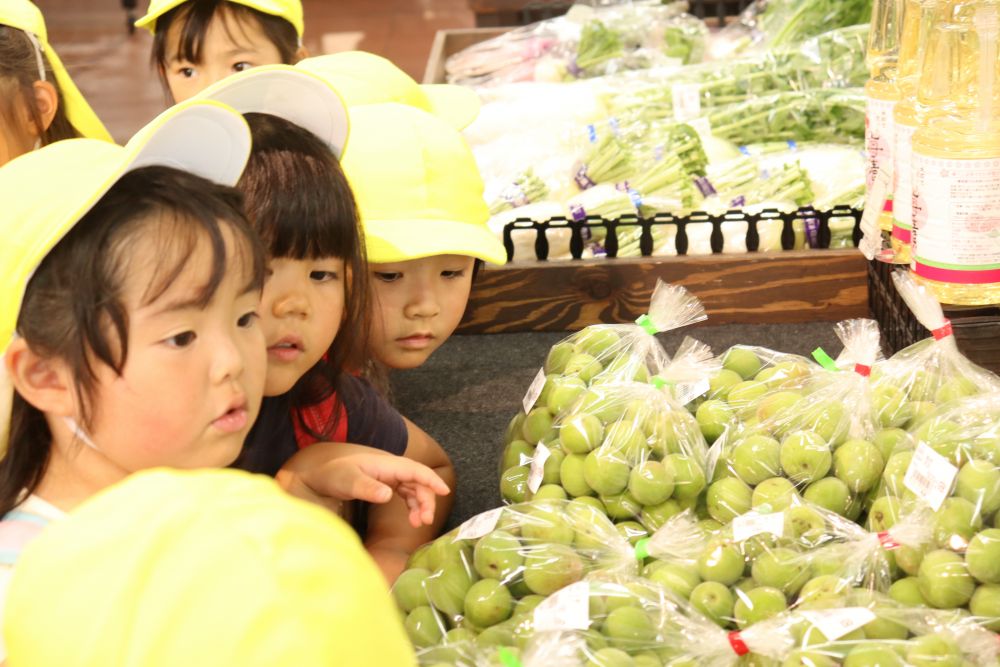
<point>985,602</point>
<point>606,472</point>
<point>446,589</point>
<point>935,650</point>
<point>872,655</point>
<point>713,417</point>
<point>983,556</point>
<point>653,517</point>
<point>517,453</point>
<point>780,568</point>
<point>564,393</point>
<point>890,440</point>
<point>597,340</point>
<point>955,524</point>
<point>545,522</point>
<point>979,483</point>
<point>558,355</point>
<point>888,403</point>
<point>571,476</point>
<point>756,458</point>
<point>744,396</point>
<point>628,627</point>
<point>651,482</point>
<point>514,484</point>
<point>424,627</point>
<point>537,425</point>
<point>774,495</point>
<point>805,457</point>
<point>728,498</point>
<point>721,382</point>
<point>487,603</point>
<point>679,578</point>
<point>858,464</point>
<point>715,601</point>
<point>955,388</point>
<point>621,506</point>
<point>610,657</point>
<point>550,492</point>
<point>549,567</point>
<point>944,580</point>
<point>906,591</point>
<point>581,433</point>
<point>829,493</point>
<point>583,366</point>
<point>408,590</point>
<point>883,514</point>
<point>721,562</point>
<point>742,361</point>
<point>758,604</point>
<point>689,477</point>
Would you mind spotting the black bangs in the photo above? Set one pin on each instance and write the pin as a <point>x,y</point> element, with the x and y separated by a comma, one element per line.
<point>194,18</point>
<point>297,197</point>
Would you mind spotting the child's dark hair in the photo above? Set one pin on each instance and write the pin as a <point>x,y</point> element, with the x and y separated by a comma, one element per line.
<point>300,203</point>
<point>18,74</point>
<point>73,307</point>
<point>194,17</point>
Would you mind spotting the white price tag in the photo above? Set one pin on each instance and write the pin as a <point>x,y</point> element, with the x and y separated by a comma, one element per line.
<point>702,127</point>
<point>567,609</point>
<point>686,98</point>
<point>534,391</point>
<point>930,476</point>
<point>835,623</point>
<point>687,392</point>
<point>542,454</point>
<point>754,523</point>
<point>480,525</point>
<point>871,241</point>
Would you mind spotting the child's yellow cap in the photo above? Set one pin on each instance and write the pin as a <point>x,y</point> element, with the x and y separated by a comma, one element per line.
<point>45,192</point>
<point>23,15</point>
<point>417,186</point>
<point>200,569</point>
<point>298,96</point>
<point>290,10</point>
<point>365,78</point>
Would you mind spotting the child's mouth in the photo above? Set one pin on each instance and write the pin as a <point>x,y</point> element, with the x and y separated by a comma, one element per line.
<point>286,349</point>
<point>416,341</point>
<point>233,420</point>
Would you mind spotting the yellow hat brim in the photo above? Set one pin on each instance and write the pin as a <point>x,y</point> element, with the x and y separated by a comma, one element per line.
<point>402,240</point>
<point>296,95</point>
<point>456,105</point>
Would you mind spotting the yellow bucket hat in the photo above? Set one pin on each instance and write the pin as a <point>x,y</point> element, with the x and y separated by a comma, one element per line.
<point>365,78</point>
<point>25,16</point>
<point>298,96</point>
<point>290,10</point>
<point>418,190</point>
<point>208,139</point>
<point>200,569</point>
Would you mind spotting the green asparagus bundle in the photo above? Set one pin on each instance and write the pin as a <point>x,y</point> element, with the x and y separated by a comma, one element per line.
<point>526,188</point>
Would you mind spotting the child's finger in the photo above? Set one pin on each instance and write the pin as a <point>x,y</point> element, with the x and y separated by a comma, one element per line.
<point>421,500</point>
<point>402,470</point>
<point>370,489</point>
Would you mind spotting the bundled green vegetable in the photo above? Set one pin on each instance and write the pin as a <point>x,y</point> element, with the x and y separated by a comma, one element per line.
<point>818,115</point>
<point>768,24</point>
<point>526,189</point>
<point>832,60</point>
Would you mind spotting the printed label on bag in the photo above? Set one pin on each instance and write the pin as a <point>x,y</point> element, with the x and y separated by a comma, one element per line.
<point>686,99</point>
<point>754,523</point>
<point>835,623</point>
<point>534,391</point>
<point>687,392</point>
<point>542,453</point>
<point>480,525</point>
<point>956,215</point>
<point>567,609</point>
<point>930,476</point>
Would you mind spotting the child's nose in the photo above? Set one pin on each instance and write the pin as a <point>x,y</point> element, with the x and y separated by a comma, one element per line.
<point>291,304</point>
<point>423,303</point>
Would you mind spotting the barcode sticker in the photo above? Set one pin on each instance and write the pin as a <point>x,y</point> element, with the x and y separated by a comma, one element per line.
<point>755,523</point>
<point>534,391</point>
<point>567,609</point>
<point>480,525</point>
<point>686,99</point>
<point>871,241</point>
<point>687,392</point>
<point>835,623</point>
<point>542,454</point>
<point>930,476</point>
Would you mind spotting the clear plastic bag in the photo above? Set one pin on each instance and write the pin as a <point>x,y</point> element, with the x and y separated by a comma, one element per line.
<point>484,577</point>
<point>586,42</point>
<point>770,24</point>
<point>931,372</point>
<point>816,434</point>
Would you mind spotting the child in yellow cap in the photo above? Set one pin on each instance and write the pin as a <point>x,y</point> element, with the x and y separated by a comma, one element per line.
<point>39,103</point>
<point>129,324</point>
<point>200,569</point>
<point>199,42</point>
<point>314,310</point>
<point>420,197</point>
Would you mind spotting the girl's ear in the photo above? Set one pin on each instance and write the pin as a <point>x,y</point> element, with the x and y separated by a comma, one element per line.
<point>47,102</point>
<point>44,382</point>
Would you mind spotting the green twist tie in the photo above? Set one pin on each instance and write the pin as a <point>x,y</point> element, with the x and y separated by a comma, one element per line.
<point>660,383</point>
<point>824,359</point>
<point>646,322</point>
<point>507,657</point>
<point>642,549</point>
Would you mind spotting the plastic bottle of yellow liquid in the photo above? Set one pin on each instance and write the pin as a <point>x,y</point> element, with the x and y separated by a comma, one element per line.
<point>882,94</point>
<point>956,165</point>
<point>919,17</point>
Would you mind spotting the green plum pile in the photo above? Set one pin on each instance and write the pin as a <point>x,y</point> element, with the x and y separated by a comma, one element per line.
<point>483,579</point>
<point>626,445</point>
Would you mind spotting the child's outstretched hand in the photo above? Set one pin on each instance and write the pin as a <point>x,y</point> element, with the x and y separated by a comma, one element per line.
<point>330,473</point>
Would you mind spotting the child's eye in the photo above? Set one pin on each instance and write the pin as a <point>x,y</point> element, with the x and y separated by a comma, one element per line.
<point>181,340</point>
<point>186,72</point>
<point>453,274</point>
<point>322,276</point>
<point>388,277</point>
<point>241,66</point>
<point>247,320</point>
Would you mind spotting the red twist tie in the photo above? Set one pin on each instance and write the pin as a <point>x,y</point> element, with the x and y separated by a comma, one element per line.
<point>885,539</point>
<point>944,331</point>
<point>739,646</point>
<point>862,370</point>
